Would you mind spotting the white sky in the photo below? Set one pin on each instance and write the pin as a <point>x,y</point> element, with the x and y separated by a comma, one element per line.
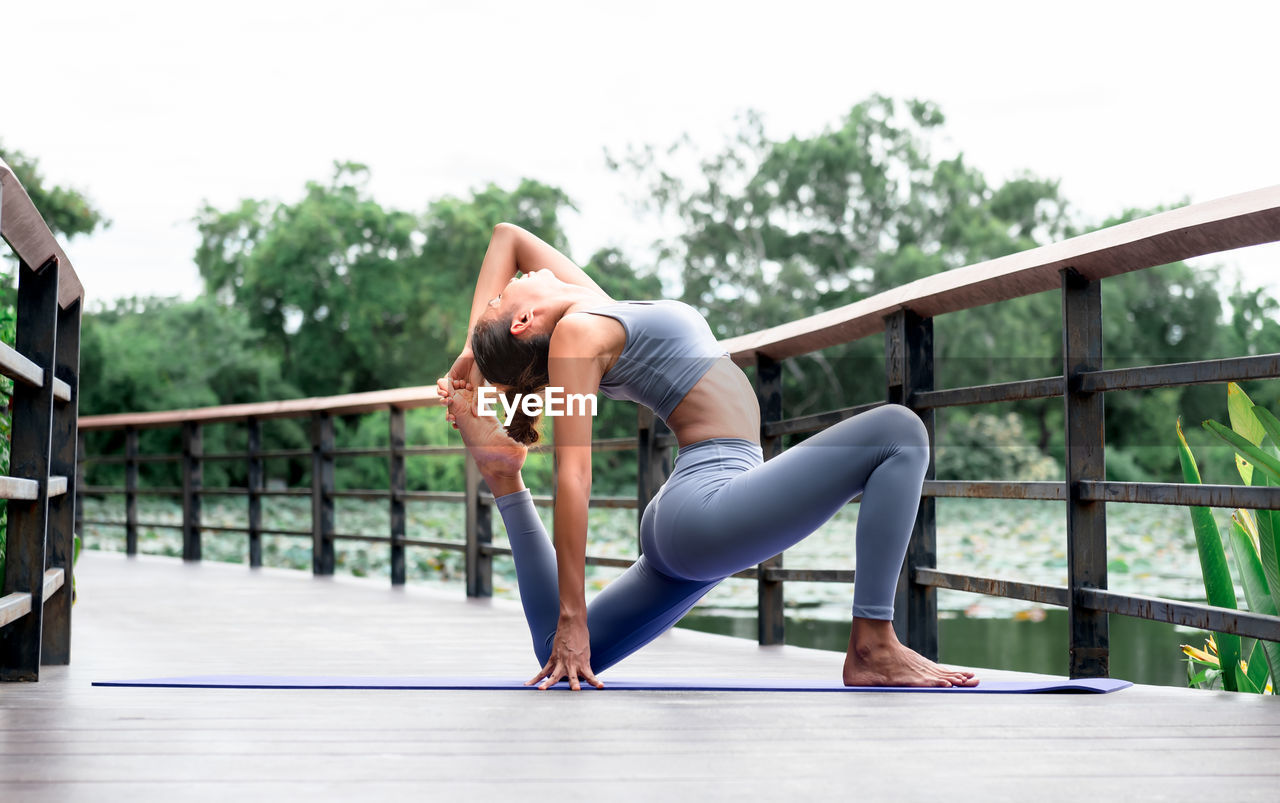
<point>154,107</point>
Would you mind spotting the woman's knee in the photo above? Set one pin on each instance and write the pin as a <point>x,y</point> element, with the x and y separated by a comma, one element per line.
<point>902,425</point>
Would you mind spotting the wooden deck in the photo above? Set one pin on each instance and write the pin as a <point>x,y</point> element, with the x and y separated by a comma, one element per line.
<point>66,740</point>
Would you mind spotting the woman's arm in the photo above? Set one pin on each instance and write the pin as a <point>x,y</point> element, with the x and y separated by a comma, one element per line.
<point>573,366</point>
<point>573,491</point>
<point>513,249</point>
<point>534,253</point>
<point>497,269</point>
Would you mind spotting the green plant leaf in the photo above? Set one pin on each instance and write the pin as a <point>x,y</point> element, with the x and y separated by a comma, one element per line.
<point>1212,675</point>
<point>1202,663</point>
<point>1218,587</point>
<point>1243,682</point>
<point>1240,413</point>
<point>1258,666</point>
<point>1196,679</point>
<point>1268,421</point>
<point>1252,453</point>
<point>1268,521</point>
<point>1256,591</point>
<point>1267,529</point>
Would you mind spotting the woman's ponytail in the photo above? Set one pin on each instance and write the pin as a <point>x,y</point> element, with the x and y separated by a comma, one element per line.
<point>518,364</point>
<point>523,427</point>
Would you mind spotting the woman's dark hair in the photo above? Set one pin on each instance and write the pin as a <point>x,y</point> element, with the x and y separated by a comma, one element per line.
<point>518,363</point>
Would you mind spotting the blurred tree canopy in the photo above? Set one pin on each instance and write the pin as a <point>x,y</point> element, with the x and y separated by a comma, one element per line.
<point>67,211</point>
<point>350,296</point>
<point>771,230</point>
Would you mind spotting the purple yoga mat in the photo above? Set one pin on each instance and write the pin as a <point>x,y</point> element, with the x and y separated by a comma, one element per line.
<point>1060,685</point>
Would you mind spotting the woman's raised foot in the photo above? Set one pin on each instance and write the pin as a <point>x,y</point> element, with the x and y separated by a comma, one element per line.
<point>496,454</point>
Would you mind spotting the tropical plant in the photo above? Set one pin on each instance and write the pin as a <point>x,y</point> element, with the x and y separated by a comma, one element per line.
<point>1254,434</point>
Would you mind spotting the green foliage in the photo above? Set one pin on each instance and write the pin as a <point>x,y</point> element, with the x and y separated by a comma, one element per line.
<point>990,447</point>
<point>326,281</point>
<point>156,353</point>
<point>351,296</point>
<point>422,428</point>
<point>163,353</point>
<point>346,295</point>
<point>1252,539</point>
<point>846,213</point>
<point>775,229</point>
<point>1213,563</point>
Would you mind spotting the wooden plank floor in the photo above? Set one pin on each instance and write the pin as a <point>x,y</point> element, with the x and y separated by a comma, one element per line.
<point>66,740</point>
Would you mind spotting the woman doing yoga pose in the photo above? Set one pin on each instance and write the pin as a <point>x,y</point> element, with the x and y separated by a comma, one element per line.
<point>723,509</point>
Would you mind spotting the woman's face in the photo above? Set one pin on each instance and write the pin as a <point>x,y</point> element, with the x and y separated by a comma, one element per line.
<point>523,296</point>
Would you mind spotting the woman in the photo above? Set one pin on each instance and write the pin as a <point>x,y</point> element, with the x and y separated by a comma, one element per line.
<point>722,509</point>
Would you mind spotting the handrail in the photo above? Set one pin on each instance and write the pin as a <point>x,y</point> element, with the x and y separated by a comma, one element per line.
<point>35,609</point>
<point>905,315</point>
<point>1237,221</point>
<point>30,238</point>
<point>403,398</point>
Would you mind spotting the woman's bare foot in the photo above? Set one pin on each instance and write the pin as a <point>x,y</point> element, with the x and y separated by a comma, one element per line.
<point>497,456</point>
<point>877,658</point>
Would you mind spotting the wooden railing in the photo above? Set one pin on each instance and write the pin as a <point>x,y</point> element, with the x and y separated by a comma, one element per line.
<point>905,316</point>
<point>35,603</point>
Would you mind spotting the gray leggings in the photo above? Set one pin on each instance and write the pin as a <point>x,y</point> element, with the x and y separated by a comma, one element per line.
<point>725,509</point>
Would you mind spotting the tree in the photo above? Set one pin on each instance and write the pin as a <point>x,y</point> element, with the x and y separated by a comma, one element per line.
<point>352,296</point>
<point>775,230</point>
<point>324,281</point>
<point>163,354</point>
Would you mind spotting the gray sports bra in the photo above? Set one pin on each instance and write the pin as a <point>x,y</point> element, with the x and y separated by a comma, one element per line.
<point>669,347</point>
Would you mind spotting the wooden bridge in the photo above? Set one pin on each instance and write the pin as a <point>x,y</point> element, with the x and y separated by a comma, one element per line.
<point>66,740</point>
<point>142,616</point>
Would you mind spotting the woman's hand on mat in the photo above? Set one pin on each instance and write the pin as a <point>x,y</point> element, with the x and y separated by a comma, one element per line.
<point>570,657</point>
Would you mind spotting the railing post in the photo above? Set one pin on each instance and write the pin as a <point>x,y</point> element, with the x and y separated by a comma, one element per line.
<point>322,519</point>
<point>32,427</point>
<point>395,454</point>
<point>909,363</point>
<point>130,491</point>
<point>255,480</point>
<point>56,636</point>
<point>192,479</point>
<point>1086,520</point>
<point>479,534</point>
<point>771,619</point>
<point>653,463</point>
